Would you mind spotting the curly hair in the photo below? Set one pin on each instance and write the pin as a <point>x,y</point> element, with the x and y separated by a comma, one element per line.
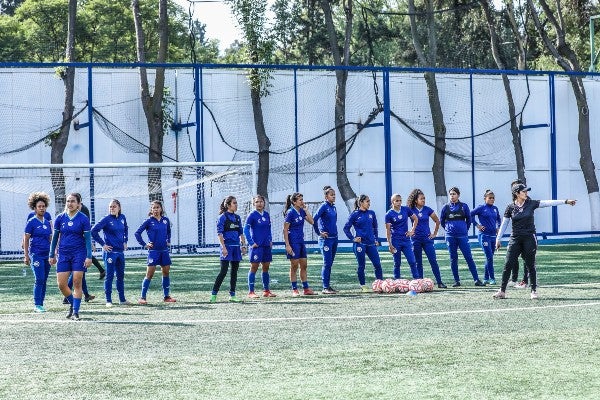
<point>35,197</point>
<point>413,196</point>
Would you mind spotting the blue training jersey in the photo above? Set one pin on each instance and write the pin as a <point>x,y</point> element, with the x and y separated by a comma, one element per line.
<point>422,231</point>
<point>489,217</point>
<point>158,231</point>
<point>40,233</point>
<point>115,232</point>
<point>71,231</point>
<point>230,226</point>
<point>455,218</point>
<point>296,229</point>
<point>325,220</point>
<point>364,224</point>
<point>258,229</point>
<point>398,221</point>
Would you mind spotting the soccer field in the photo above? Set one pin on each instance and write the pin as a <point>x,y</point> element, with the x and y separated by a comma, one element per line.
<point>448,344</point>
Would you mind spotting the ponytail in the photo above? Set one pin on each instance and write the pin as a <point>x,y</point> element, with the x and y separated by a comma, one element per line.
<point>225,204</point>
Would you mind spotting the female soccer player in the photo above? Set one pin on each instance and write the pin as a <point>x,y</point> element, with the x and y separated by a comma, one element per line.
<point>296,212</point>
<point>229,230</point>
<point>325,226</point>
<point>114,243</point>
<point>456,220</point>
<point>95,261</point>
<point>522,240</point>
<point>258,236</point>
<point>489,222</point>
<point>398,235</point>
<point>36,245</point>
<point>74,251</point>
<point>365,238</point>
<point>158,229</point>
<point>422,240</point>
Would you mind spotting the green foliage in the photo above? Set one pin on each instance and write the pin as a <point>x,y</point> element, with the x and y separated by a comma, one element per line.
<point>168,102</point>
<point>11,39</point>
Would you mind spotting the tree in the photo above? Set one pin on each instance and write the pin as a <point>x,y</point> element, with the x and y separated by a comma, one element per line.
<point>152,102</point>
<point>58,143</point>
<point>11,39</point>
<point>251,17</point>
<point>429,58</point>
<point>566,58</point>
<point>341,57</point>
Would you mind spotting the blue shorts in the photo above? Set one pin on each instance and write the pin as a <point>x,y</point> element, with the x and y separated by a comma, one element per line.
<point>71,262</point>
<point>234,253</point>
<point>260,254</point>
<point>299,250</point>
<point>158,257</point>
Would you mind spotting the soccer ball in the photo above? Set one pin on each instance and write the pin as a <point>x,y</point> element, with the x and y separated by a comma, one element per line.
<point>388,286</point>
<point>427,285</point>
<point>401,285</point>
<point>416,285</point>
<point>376,286</point>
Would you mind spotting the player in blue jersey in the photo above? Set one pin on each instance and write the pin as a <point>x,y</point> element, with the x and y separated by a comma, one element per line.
<point>233,245</point>
<point>158,230</point>
<point>488,225</point>
<point>114,243</point>
<point>422,240</point>
<point>398,235</point>
<point>455,218</point>
<point>257,231</point>
<point>365,238</point>
<point>325,226</point>
<point>95,261</point>
<point>296,212</point>
<point>72,234</point>
<point>36,246</point>
<point>522,240</point>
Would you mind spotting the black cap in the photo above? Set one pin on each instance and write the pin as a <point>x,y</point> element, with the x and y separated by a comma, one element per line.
<point>519,187</point>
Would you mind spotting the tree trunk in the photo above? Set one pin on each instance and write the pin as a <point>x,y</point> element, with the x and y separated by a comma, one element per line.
<point>152,103</point>
<point>59,142</point>
<point>264,143</point>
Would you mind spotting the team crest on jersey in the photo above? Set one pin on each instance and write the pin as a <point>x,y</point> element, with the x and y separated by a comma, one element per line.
<point>485,244</point>
<point>44,227</point>
<point>420,214</point>
<point>150,261</point>
<point>263,218</point>
<point>400,216</point>
<point>255,257</point>
<point>109,260</point>
<point>370,216</point>
<point>36,263</point>
<point>164,221</point>
<point>325,248</point>
<point>70,223</point>
<point>359,249</point>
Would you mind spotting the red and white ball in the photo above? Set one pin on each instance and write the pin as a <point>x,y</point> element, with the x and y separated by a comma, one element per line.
<point>376,286</point>
<point>401,285</point>
<point>427,285</point>
<point>388,286</point>
<point>416,285</point>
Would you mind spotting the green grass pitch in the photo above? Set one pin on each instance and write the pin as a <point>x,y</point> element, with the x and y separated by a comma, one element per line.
<point>448,344</point>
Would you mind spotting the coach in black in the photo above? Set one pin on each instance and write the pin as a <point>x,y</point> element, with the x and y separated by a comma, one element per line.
<point>522,240</point>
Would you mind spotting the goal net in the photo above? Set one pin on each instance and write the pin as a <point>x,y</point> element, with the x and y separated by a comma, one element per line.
<point>191,195</point>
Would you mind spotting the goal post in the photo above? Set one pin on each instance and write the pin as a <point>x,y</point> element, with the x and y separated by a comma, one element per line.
<point>191,193</point>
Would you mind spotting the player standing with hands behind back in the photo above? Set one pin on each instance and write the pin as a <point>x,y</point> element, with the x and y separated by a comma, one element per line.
<point>325,226</point>
<point>522,240</point>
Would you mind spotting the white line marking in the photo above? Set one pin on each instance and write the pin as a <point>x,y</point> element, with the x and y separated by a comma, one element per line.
<point>308,318</point>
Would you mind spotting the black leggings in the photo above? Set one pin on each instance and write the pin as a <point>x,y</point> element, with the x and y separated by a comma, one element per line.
<point>235,265</point>
<point>526,247</point>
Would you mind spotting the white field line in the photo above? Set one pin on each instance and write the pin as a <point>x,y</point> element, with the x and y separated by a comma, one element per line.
<point>308,318</point>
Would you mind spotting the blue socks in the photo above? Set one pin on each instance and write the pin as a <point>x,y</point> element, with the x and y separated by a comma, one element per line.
<point>145,286</point>
<point>166,284</point>
<point>76,304</point>
<point>294,285</point>
<point>305,285</point>
<point>265,280</point>
<point>251,280</point>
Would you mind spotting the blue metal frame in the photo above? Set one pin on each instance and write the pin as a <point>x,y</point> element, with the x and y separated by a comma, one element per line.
<point>297,152</point>
<point>472,108</point>
<point>387,135</point>
<point>553,163</point>
<point>91,144</point>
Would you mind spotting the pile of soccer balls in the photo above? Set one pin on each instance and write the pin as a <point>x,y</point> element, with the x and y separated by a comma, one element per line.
<point>402,285</point>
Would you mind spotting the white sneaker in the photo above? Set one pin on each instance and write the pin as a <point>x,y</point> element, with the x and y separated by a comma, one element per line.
<point>512,284</point>
<point>521,285</point>
<point>534,295</point>
<point>499,295</point>
<point>108,304</point>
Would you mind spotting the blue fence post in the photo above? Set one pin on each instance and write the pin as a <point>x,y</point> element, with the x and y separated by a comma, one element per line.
<point>387,133</point>
<point>199,153</point>
<point>297,152</point>
<point>472,111</point>
<point>553,163</point>
<point>91,143</point>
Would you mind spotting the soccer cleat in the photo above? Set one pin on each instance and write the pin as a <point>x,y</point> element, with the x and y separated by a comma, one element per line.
<point>142,301</point>
<point>521,285</point>
<point>253,295</point>
<point>479,283</point>
<point>234,299</point>
<point>295,292</point>
<point>499,295</point>
<point>534,295</point>
<point>89,297</point>
<point>442,285</point>
<point>75,317</point>
<point>492,281</point>
<point>109,304</point>
<point>329,290</point>
<point>39,309</point>
<point>169,299</point>
<point>456,284</point>
<point>486,281</point>
<point>65,300</point>
<point>512,284</point>
<point>125,303</point>
<point>70,313</point>
<point>102,275</point>
<point>213,298</point>
<point>365,289</point>
<point>308,292</point>
<point>268,293</point>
